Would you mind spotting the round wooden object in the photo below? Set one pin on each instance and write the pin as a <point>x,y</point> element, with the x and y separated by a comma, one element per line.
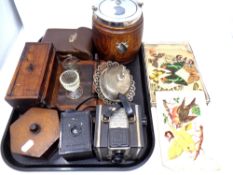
<point>117,43</point>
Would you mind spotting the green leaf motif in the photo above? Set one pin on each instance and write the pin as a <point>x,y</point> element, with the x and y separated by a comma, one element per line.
<point>196,110</point>
<point>165,119</point>
<point>195,86</point>
<point>176,99</point>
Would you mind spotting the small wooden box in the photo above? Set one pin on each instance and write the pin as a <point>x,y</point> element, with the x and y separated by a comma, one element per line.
<point>30,83</point>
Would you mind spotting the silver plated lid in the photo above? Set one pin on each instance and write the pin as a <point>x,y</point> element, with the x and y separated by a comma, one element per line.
<point>118,12</point>
<point>112,78</point>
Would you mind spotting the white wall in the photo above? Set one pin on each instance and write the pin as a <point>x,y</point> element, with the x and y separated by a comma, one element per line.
<point>39,15</point>
<point>10,25</point>
<point>165,20</point>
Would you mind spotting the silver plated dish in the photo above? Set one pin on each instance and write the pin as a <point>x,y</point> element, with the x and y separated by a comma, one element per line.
<point>112,79</point>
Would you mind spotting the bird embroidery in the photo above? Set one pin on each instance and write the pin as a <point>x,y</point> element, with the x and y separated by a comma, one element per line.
<point>193,73</point>
<point>172,77</point>
<point>155,57</point>
<point>180,114</point>
<point>156,74</point>
<point>183,111</point>
<point>181,141</point>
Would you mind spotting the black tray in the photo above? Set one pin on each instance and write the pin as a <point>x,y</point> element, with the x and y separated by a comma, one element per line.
<point>57,163</point>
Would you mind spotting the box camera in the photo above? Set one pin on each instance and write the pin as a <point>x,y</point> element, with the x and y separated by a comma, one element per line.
<point>75,135</point>
<point>118,137</point>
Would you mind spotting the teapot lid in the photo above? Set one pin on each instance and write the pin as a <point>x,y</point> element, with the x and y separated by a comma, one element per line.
<point>112,79</point>
<point>115,80</point>
<point>118,11</point>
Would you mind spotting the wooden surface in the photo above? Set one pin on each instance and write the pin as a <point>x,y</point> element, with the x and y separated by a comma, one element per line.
<point>106,37</point>
<point>20,134</point>
<point>60,100</point>
<point>32,75</point>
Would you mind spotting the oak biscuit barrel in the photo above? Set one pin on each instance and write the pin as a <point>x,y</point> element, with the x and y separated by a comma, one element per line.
<point>117,29</point>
